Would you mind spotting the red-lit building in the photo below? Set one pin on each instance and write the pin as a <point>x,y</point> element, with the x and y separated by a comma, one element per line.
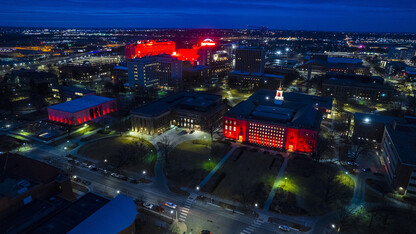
<point>268,120</point>
<point>149,48</point>
<point>81,110</point>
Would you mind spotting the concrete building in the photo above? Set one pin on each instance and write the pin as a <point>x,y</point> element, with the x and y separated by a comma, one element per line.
<point>81,110</point>
<point>155,71</point>
<point>370,127</point>
<point>269,120</point>
<point>399,157</point>
<point>254,81</point>
<point>250,59</point>
<point>24,180</point>
<point>357,87</point>
<point>193,110</point>
<point>69,93</point>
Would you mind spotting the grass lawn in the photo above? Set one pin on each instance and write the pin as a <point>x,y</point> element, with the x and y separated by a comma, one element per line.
<point>312,190</point>
<point>191,161</point>
<point>105,148</point>
<point>246,177</point>
<point>382,219</point>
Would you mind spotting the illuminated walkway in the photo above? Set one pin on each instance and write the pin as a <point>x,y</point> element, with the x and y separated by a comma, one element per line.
<point>208,177</point>
<point>276,181</point>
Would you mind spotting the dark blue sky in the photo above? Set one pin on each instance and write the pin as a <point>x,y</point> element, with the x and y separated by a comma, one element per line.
<point>325,15</point>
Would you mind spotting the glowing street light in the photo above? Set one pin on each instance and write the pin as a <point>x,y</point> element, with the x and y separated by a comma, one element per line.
<point>333,226</point>
<point>256,205</point>
<point>197,187</point>
<point>118,191</point>
<point>144,172</point>
<point>105,160</point>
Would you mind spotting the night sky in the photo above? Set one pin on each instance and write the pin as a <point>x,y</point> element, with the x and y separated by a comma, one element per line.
<point>323,15</point>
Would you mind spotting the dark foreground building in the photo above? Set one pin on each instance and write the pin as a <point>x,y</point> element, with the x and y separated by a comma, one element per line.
<point>193,110</point>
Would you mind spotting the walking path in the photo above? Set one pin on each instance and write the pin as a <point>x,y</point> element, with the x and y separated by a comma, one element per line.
<point>276,181</point>
<point>208,177</point>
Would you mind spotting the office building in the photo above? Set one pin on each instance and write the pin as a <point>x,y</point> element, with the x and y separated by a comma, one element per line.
<point>70,92</point>
<point>399,157</point>
<point>254,81</point>
<point>155,71</point>
<point>249,59</point>
<point>370,127</point>
<point>357,87</point>
<point>193,110</point>
<point>149,48</point>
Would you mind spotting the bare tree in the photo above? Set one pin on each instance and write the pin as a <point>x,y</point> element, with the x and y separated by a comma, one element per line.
<point>321,146</point>
<point>345,220</point>
<point>122,157</point>
<point>165,146</point>
<point>358,150</point>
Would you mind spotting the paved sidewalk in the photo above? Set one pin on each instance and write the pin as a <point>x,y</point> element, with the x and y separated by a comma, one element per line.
<point>276,181</point>
<point>208,177</point>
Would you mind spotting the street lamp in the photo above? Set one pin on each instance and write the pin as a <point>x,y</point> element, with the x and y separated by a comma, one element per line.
<point>105,160</point>
<point>256,205</point>
<point>197,187</point>
<point>118,191</point>
<point>144,172</point>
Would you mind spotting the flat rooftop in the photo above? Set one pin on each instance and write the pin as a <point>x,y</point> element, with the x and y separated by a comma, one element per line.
<point>73,214</point>
<point>295,113</point>
<point>196,101</point>
<point>404,138</point>
<point>81,103</point>
<point>372,118</point>
<point>76,89</point>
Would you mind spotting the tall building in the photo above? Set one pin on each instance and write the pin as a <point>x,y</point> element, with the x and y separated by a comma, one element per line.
<point>250,59</point>
<point>399,157</point>
<point>268,119</point>
<point>149,48</point>
<point>154,71</point>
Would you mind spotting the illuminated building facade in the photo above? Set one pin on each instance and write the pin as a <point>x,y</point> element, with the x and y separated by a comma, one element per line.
<point>268,119</point>
<point>149,48</point>
<point>81,110</point>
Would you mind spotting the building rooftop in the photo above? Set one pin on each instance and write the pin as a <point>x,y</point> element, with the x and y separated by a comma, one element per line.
<point>70,217</point>
<point>265,75</point>
<point>404,138</point>
<point>73,89</point>
<point>113,217</point>
<point>344,60</point>
<point>81,103</point>
<point>196,101</point>
<point>373,118</point>
<point>293,111</point>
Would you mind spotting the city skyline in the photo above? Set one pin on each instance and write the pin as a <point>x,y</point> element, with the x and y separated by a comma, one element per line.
<point>309,15</point>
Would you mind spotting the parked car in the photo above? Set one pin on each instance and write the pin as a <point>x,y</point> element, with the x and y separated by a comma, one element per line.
<point>206,232</point>
<point>115,175</point>
<point>134,181</point>
<point>170,205</point>
<point>284,228</point>
<point>125,178</point>
<point>192,131</point>
<point>148,205</point>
